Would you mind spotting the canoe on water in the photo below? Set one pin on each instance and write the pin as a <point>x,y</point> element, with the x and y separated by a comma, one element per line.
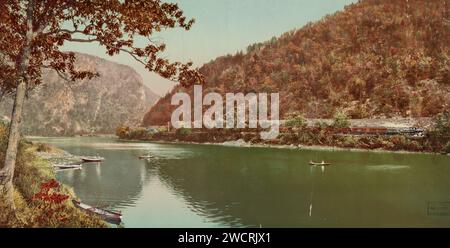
<point>92,159</point>
<point>146,157</point>
<point>319,164</point>
<point>107,215</point>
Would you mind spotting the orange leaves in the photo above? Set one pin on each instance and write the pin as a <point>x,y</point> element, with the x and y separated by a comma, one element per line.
<point>375,52</point>
<point>49,204</point>
<point>113,24</point>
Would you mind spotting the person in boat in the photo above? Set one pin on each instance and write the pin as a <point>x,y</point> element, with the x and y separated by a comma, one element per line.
<point>323,163</point>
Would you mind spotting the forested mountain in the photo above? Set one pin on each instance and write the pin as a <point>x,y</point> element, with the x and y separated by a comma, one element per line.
<point>98,105</point>
<point>375,58</point>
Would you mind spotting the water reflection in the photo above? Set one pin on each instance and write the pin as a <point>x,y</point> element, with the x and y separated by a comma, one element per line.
<point>212,186</point>
<point>276,188</point>
<point>117,182</point>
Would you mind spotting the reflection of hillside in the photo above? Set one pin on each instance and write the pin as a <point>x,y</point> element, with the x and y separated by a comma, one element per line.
<point>275,188</point>
<point>225,186</point>
<point>116,183</point>
<point>237,193</point>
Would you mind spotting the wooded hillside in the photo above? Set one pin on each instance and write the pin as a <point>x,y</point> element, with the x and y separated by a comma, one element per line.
<point>373,59</point>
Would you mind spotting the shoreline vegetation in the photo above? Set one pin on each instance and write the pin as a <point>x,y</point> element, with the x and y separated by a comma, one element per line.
<point>430,136</point>
<point>40,200</point>
<point>242,144</point>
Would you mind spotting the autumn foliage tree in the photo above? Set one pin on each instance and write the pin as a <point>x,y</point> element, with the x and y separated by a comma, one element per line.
<point>32,33</point>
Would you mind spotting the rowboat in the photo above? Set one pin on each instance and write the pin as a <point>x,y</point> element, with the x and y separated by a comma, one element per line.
<point>106,215</point>
<point>67,166</point>
<point>146,157</point>
<point>92,159</point>
<point>323,163</point>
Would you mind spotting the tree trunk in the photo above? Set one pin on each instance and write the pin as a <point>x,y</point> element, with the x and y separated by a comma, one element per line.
<point>7,172</point>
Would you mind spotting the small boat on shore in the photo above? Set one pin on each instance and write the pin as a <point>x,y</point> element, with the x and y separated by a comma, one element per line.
<point>107,215</point>
<point>67,166</point>
<point>323,163</point>
<point>92,159</point>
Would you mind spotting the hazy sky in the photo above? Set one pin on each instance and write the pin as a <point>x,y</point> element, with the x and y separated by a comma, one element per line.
<point>223,27</point>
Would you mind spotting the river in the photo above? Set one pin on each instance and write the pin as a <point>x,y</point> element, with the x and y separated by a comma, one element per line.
<point>216,186</point>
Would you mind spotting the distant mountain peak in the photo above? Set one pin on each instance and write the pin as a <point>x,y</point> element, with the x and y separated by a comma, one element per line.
<point>97,105</point>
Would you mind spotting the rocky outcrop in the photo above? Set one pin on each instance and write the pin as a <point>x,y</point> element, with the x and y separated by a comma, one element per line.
<point>92,106</point>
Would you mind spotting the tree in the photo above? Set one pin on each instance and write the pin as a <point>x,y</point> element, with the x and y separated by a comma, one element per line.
<point>32,33</point>
<point>341,120</point>
<point>442,125</point>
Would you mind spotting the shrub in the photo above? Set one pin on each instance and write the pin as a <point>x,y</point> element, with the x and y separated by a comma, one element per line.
<point>42,147</point>
<point>163,129</point>
<point>122,131</point>
<point>288,138</point>
<point>49,205</point>
<point>298,121</point>
<point>446,148</point>
<point>400,142</point>
<point>139,133</point>
<point>341,120</point>
<point>304,137</point>
<point>414,146</point>
<point>349,141</point>
<point>320,136</point>
<point>359,112</point>
<point>439,135</point>
<point>387,144</point>
<point>442,125</point>
<point>183,131</point>
<point>377,142</point>
<point>322,125</point>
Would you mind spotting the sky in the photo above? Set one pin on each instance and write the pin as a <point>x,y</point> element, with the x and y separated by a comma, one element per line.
<point>221,27</point>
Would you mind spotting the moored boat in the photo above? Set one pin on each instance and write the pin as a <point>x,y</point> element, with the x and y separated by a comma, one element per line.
<point>67,166</point>
<point>107,215</point>
<point>92,159</point>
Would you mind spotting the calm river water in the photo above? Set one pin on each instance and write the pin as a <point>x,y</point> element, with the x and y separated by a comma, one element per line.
<point>217,186</point>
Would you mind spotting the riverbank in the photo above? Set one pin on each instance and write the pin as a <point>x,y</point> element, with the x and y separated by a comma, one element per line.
<point>55,155</point>
<point>40,200</point>
<point>424,135</point>
<point>302,139</point>
<point>243,144</point>
<point>107,135</point>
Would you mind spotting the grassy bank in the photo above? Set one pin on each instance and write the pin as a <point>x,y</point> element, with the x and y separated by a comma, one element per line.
<point>40,200</point>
